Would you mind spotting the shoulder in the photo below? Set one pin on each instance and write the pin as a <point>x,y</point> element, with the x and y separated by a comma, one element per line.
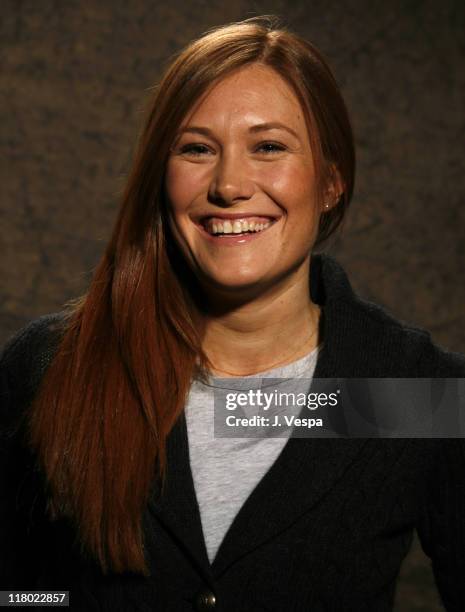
<point>366,339</point>
<point>411,346</point>
<point>33,335</point>
<point>24,359</point>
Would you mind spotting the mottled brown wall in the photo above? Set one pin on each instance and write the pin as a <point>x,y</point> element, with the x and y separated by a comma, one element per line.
<point>74,83</point>
<point>75,80</point>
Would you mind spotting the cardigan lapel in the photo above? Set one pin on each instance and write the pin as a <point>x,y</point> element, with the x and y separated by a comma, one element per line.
<point>176,507</point>
<point>303,472</point>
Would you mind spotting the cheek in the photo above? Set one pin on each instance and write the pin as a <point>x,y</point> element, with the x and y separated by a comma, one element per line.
<point>181,185</point>
<point>185,183</point>
<point>293,186</point>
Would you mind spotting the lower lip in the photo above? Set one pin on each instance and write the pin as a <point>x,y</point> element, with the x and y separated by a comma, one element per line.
<point>233,240</point>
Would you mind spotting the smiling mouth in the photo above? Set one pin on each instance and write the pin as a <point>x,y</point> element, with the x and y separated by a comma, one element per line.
<point>217,226</point>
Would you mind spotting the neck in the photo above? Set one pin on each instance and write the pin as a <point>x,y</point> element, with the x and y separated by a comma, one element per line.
<point>266,332</point>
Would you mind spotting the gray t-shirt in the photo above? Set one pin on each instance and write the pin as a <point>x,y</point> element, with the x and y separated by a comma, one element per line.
<point>226,470</point>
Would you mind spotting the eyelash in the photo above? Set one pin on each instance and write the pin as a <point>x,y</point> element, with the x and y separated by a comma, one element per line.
<point>190,148</point>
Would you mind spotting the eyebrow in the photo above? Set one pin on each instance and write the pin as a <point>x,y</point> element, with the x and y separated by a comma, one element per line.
<point>260,127</point>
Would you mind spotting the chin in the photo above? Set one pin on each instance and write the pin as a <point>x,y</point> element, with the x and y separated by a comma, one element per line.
<point>234,281</point>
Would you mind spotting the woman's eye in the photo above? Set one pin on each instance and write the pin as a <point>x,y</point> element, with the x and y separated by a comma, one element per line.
<point>197,150</point>
<point>271,147</point>
<point>194,149</point>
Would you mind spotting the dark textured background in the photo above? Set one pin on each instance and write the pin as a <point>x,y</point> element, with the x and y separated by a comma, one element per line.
<point>75,81</point>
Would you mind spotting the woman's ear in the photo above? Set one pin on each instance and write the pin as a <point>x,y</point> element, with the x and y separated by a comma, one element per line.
<point>334,188</point>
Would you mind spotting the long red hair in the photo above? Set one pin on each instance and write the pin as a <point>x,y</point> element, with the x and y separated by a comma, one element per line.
<point>130,346</point>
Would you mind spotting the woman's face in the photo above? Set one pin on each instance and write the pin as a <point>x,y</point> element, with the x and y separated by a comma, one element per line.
<point>242,163</point>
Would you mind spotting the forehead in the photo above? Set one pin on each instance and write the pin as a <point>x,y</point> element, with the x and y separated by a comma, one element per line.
<point>251,93</point>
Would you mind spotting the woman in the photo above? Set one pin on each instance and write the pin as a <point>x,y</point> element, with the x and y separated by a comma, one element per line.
<point>113,490</point>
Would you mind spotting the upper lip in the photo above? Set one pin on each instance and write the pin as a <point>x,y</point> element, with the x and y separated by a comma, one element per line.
<point>201,218</point>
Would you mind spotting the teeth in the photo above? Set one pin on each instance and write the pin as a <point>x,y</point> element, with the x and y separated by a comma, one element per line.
<point>236,227</point>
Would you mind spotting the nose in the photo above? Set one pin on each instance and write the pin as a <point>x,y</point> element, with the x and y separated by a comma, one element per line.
<point>231,180</point>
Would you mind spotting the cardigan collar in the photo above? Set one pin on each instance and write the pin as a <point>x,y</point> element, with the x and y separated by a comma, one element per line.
<point>302,473</point>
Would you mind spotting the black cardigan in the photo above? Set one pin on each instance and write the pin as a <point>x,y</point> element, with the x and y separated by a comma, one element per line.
<point>325,529</point>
